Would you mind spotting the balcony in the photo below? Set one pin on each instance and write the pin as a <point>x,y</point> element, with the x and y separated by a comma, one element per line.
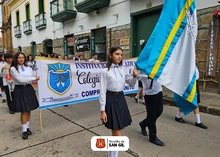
<point>27,27</point>
<point>40,21</point>
<point>87,6</point>
<point>62,10</point>
<point>17,31</point>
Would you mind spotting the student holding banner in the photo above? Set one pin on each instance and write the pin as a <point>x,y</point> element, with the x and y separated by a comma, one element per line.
<point>6,79</point>
<point>24,97</point>
<point>114,110</point>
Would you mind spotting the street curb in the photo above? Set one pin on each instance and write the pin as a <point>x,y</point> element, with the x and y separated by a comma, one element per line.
<point>214,110</point>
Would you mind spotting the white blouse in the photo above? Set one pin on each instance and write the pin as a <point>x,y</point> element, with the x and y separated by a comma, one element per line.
<point>197,73</point>
<point>2,64</point>
<point>24,75</point>
<point>3,74</point>
<point>156,87</point>
<point>113,80</point>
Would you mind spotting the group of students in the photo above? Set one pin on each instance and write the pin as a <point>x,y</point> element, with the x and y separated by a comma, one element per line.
<point>22,98</point>
<point>115,114</point>
<point>114,110</point>
<point>80,57</point>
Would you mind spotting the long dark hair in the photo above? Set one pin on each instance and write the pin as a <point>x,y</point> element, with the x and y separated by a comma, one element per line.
<point>111,51</point>
<point>1,54</point>
<point>29,57</point>
<point>15,60</point>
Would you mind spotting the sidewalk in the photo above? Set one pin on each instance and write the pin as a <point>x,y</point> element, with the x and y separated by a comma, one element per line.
<point>67,131</point>
<point>210,103</point>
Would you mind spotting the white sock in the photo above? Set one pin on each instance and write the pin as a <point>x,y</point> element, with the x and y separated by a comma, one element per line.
<point>3,95</point>
<point>28,124</point>
<point>113,154</point>
<point>198,120</point>
<point>178,114</point>
<point>136,96</point>
<point>143,100</point>
<point>24,127</point>
<point>0,92</point>
<point>116,154</point>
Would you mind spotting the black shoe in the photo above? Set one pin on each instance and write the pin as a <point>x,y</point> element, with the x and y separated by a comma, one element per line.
<point>65,105</point>
<point>180,120</point>
<point>143,130</point>
<point>136,100</point>
<point>12,112</point>
<point>29,131</point>
<point>143,103</point>
<point>24,135</point>
<point>201,125</point>
<point>156,141</point>
<point>0,95</point>
<point>3,101</point>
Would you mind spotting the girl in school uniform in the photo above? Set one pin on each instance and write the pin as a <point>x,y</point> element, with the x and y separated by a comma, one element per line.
<point>30,61</point>
<point>114,110</point>
<point>2,64</point>
<point>24,97</point>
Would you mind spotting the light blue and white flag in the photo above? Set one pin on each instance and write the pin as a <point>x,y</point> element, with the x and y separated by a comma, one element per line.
<point>169,55</point>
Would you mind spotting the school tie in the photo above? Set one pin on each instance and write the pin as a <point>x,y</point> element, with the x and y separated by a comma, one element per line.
<point>22,68</point>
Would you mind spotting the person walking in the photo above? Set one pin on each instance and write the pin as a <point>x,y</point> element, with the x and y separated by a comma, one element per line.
<point>114,110</point>
<point>154,107</point>
<point>2,64</point>
<point>24,97</point>
<point>8,58</point>
<point>198,122</point>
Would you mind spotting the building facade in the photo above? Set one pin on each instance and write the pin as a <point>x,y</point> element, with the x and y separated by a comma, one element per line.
<point>6,28</point>
<point>87,26</point>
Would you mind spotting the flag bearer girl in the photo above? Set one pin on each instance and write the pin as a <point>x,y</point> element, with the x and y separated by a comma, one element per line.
<point>114,110</point>
<point>24,97</point>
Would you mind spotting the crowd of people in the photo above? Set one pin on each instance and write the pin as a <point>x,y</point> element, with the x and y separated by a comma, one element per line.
<point>21,70</point>
<point>115,113</point>
<point>76,57</point>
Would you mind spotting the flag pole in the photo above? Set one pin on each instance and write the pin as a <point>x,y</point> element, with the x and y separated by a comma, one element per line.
<point>41,126</point>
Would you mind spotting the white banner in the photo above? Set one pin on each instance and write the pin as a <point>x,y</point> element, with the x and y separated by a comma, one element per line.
<point>64,82</point>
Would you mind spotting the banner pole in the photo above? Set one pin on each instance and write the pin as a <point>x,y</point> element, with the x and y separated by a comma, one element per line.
<point>41,126</point>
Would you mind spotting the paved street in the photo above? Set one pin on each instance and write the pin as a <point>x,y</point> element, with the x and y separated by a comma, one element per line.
<point>67,132</point>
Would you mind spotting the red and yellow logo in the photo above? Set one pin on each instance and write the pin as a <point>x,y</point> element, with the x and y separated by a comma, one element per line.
<point>100,143</point>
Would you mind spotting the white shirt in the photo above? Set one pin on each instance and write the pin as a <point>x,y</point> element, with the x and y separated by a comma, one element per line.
<point>21,77</point>
<point>113,80</point>
<point>197,73</point>
<point>156,87</point>
<point>5,83</point>
<point>92,60</point>
<point>2,64</point>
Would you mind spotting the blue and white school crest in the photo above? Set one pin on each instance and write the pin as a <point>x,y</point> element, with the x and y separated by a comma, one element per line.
<point>59,77</point>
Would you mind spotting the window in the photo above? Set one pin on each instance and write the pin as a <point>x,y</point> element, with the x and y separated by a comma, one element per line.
<point>27,7</point>
<point>99,43</point>
<point>41,6</point>
<point>18,18</point>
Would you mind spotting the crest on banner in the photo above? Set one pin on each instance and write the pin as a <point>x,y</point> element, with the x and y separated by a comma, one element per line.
<point>59,77</point>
